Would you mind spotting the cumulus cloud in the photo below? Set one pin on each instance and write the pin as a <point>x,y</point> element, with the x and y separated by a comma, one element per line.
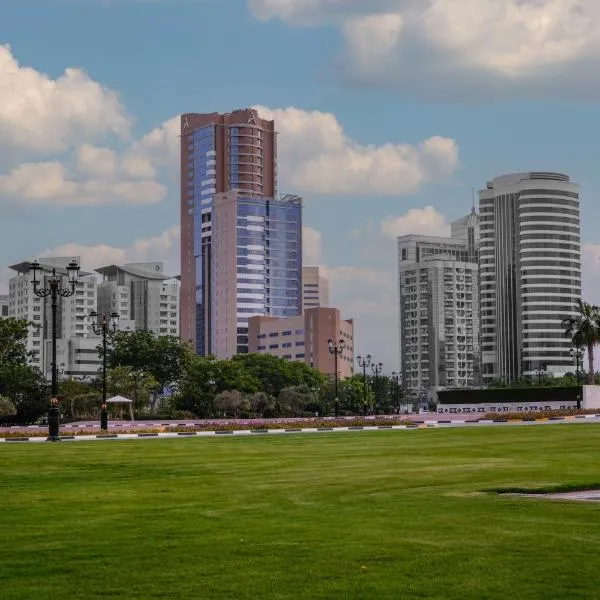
<point>162,248</point>
<point>420,221</point>
<point>311,246</point>
<point>52,184</point>
<point>43,115</point>
<point>493,46</point>
<point>369,296</point>
<point>317,157</point>
<point>56,120</point>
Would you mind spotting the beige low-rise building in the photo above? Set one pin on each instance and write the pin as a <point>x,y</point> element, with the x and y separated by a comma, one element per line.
<point>305,338</point>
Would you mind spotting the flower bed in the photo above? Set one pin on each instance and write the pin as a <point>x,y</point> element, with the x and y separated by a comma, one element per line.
<point>221,425</point>
<point>532,415</point>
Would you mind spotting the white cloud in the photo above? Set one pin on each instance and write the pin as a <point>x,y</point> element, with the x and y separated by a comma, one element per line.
<point>420,221</point>
<point>491,46</point>
<point>317,157</point>
<point>43,115</point>
<point>163,247</point>
<point>369,296</point>
<point>159,147</point>
<point>51,184</point>
<point>590,272</point>
<point>311,246</point>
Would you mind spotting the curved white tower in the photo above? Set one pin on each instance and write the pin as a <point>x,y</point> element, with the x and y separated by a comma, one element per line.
<point>530,269</point>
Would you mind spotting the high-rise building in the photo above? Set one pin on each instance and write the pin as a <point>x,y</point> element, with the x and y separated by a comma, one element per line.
<point>315,288</point>
<point>530,257</point>
<point>4,303</point>
<point>76,345</point>
<point>255,268</point>
<point>219,153</point>
<point>439,320</point>
<point>143,296</point>
<point>305,338</point>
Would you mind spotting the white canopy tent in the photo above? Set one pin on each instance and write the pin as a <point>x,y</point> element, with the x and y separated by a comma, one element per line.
<point>122,400</point>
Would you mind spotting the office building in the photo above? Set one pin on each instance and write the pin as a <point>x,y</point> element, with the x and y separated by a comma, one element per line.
<point>143,295</point>
<point>305,338</point>
<point>315,288</point>
<point>219,153</point>
<point>439,324</point>
<point>530,258</point>
<point>4,303</point>
<point>252,266</point>
<point>76,346</point>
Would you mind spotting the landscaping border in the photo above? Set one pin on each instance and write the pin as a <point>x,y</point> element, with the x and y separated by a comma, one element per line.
<point>416,424</point>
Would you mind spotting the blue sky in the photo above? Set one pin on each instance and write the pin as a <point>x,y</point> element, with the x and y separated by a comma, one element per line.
<point>504,88</point>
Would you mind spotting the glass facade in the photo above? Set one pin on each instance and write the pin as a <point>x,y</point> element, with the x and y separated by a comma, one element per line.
<point>269,260</point>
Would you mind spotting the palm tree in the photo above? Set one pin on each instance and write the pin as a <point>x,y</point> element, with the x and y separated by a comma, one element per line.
<point>584,331</point>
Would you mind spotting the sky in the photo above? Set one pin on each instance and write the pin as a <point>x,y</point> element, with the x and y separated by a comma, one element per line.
<point>391,114</point>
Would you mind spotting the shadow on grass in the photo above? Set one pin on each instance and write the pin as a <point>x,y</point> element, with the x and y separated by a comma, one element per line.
<point>548,489</point>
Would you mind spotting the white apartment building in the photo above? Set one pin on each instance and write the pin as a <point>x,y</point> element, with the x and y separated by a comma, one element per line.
<point>530,259</point>
<point>439,311</point>
<point>76,353</point>
<point>143,295</point>
<point>4,303</point>
<point>315,288</point>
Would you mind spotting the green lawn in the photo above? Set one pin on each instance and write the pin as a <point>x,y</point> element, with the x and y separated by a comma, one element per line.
<point>373,515</point>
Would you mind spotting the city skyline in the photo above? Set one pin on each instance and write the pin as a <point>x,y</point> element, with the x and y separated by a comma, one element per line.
<point>94,171</point>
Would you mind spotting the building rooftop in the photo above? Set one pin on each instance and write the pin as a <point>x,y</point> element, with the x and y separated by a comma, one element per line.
<point>23,268</point>
<point>157,274</point>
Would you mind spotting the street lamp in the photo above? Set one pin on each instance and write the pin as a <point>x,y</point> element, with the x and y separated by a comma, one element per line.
<point>376,368</point>
<point>539,372</point>
<point>106,328</point>
<point>363,363</point>
<point>54,289</point>
<point>577,355</point>
<point>396,378</point>
<point>336,348</point>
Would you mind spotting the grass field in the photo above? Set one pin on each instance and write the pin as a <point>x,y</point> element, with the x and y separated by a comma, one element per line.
<point>369,515</point>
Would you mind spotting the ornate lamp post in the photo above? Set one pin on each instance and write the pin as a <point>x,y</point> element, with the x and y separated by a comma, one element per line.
<point>54,289</point>
<point>336,348</point>
<point>376,368</point>
<point>577,355</point>
<point>106,328</point>
<point>396,377</point>
<point>363,363</point>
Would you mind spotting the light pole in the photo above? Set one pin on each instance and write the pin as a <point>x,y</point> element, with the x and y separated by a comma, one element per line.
<point>106,328</point>
<point>577,355</point>
<point>336,348</point>
<point>54,289</point>
<point>539,372</point>
<point>376,368</point>
<point>363,363</point>
<point>396,378</point>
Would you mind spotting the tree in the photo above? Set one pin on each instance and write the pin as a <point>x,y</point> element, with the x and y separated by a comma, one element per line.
<point>275,374</point>
<point>13,342</point>
<point>293,401</point>
<point>161,356</point>
<point>7,408</point>
<point>231,402</point>
<point>135,384</point>
<point>21,383</point>
<point>584,331</point>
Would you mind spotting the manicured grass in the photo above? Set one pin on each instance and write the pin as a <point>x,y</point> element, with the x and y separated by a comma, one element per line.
<point>381,515</point>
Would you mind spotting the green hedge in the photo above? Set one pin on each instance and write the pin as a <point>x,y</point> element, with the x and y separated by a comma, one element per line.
<point>520,395</point>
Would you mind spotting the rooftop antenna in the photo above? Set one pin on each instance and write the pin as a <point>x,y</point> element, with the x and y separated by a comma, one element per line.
<point>473,201</point>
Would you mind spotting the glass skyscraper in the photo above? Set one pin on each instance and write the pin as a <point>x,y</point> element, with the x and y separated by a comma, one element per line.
<point>241,246</point>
